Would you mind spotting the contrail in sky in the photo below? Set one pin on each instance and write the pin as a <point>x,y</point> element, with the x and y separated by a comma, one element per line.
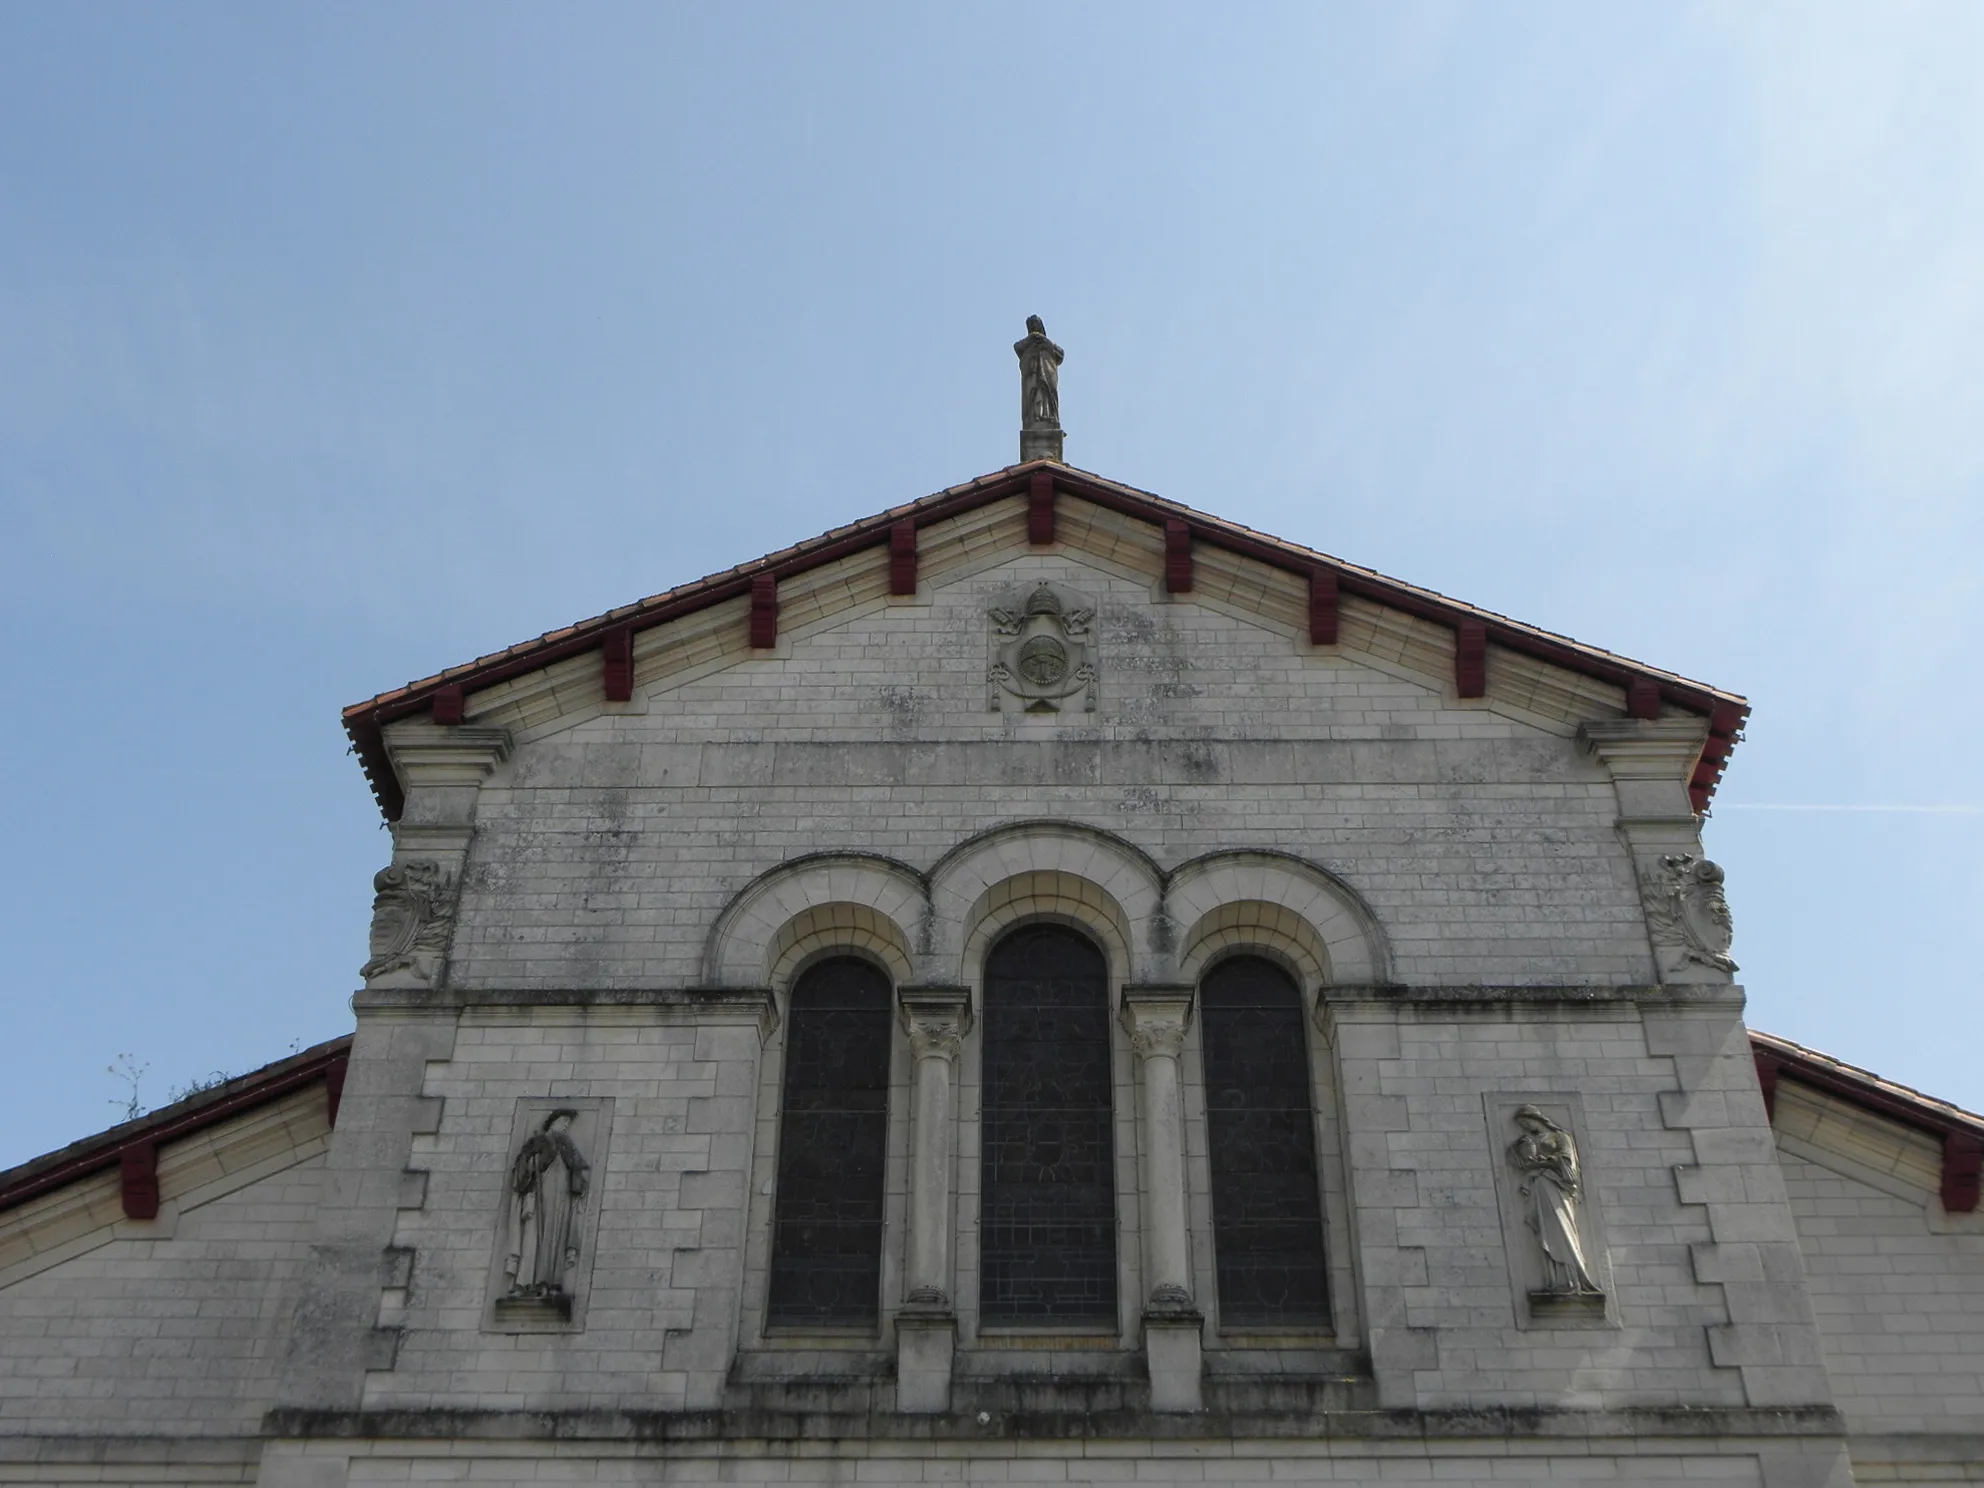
<point>1907,810</point>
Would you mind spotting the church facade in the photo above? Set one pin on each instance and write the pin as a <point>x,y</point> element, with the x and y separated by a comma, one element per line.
<point>1041,985</point>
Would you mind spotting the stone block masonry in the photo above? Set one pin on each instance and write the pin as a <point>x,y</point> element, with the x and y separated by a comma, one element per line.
<point>604,851</point>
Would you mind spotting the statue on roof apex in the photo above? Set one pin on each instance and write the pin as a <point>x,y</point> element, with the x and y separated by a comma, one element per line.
<point>1040,393</point>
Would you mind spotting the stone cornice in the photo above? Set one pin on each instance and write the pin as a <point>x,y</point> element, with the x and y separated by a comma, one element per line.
<point>1646,748</point>
<point>1484,996</point>
<point>1679,1426</point>
<point>427,754</point>
<point>674,1004</point>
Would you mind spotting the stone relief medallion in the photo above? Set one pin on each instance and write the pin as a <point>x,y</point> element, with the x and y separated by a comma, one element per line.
<point>413,916</point>
<point>1042,661</point>
<point>1687,913</point>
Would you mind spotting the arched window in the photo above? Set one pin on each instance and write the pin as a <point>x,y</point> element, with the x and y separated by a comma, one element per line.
<point>1266,1211</point>
<point>833,1137</point>
<point>1047,1226</point>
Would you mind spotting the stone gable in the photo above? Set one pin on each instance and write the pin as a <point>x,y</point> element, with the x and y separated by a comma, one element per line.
<point>1392,974</point>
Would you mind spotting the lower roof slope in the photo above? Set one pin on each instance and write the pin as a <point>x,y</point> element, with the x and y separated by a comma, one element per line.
<point>1961,1131</point>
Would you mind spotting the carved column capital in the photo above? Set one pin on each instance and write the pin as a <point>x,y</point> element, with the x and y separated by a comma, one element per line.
<point>1156,1019</point>
<point>936,1020</point>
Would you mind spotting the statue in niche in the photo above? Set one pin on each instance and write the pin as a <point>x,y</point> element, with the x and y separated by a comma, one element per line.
<point>548,1181</point>
<point>413,915</point>
<point>1547,1157</point>
<point>1687,910</point>
<point>1040,654</point>
<point>1040,377</point>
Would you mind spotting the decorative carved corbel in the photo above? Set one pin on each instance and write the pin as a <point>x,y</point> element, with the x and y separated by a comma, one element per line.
<point>1687,916</point>
<point>413,920</point>
<point>1686,910</point>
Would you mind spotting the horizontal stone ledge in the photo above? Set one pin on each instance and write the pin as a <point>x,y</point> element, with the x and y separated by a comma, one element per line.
<point>729,1003</point>
<point>1484,995</point>
<point>754,1002</point>
<point>105,1449</point>
<point>1916,1448</point>
<point>743,1428</point>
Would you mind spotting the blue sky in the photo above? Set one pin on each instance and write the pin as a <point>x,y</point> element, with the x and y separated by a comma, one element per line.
<point>340,344</point>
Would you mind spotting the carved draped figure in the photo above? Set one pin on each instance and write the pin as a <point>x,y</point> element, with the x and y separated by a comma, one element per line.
<point>1548,1158</point>
<point>1040,377</point>
<point>547,1181</point>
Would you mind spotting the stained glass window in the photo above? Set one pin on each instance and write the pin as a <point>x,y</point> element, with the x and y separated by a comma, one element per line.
<point>833,1137</point>
<point>1260,1118</point>
<point>1047,1227</point>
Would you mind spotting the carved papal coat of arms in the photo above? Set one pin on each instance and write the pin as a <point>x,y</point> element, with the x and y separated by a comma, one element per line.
<point>1041,655</point>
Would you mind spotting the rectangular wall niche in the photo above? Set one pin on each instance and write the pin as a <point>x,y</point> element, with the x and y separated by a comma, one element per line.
<point>543,1240</point>
<point>1540,1287</point>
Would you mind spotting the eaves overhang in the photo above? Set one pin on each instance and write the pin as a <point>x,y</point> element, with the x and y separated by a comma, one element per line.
<point>1960,1132</point>
<point>1724,712</point>
<point>133,1145</point>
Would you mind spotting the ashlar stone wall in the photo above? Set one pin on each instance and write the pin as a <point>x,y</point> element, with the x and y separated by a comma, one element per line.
<point>673,1099</point>
<point>174,1326</point>
<point>1477,833</point>
<point>1897,1282</point>
<point>871,786</point>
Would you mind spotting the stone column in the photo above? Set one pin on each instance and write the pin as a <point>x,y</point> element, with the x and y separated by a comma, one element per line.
<point>1650,761</point>
<point>935,1018</point>
<point>414,897</point>
<point>1157,1018</point>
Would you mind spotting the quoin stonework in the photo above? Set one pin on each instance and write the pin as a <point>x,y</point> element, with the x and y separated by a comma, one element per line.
<point>1041,985</point>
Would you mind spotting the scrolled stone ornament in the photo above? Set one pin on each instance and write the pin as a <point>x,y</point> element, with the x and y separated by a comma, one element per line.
<point>1163,1038</point>
<point>413,915</point>
<point>934,1038</point>
<point>1687,910</point>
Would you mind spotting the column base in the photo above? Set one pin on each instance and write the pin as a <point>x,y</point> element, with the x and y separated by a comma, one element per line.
<point>1171,1349</point>
<point>926,1339</point>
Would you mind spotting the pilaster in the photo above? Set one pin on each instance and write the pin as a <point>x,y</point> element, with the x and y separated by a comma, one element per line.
<point>1383,1184</point>
<point>1651,762</point>
<point>935,1020</point>
<point>413,909</point>
<point>1157,1018</point>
